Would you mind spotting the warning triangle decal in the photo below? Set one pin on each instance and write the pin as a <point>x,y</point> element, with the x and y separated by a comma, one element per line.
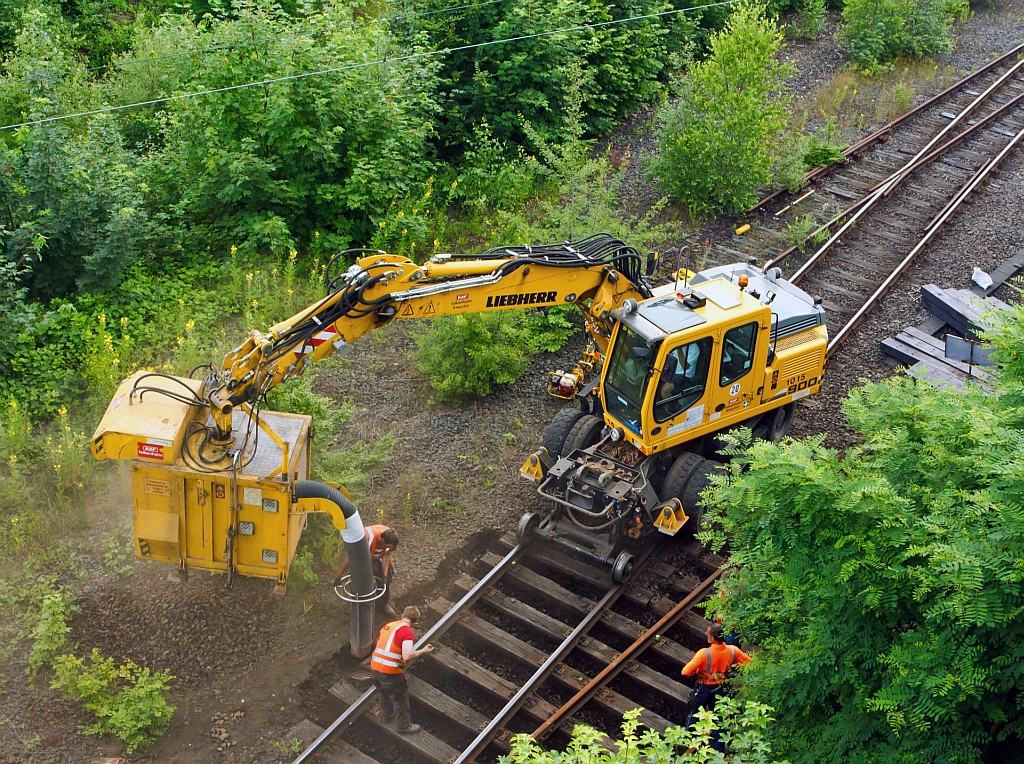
<point>430,309</point>
<point>407,310</point>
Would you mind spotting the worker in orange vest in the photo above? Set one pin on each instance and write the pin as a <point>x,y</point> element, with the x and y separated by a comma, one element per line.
<point>711,665</point>
<point>383,541</point>
<point>387,665</point>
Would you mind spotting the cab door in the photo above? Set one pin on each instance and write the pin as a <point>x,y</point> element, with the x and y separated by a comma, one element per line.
<point>681,395</point>
<point>734,380</point>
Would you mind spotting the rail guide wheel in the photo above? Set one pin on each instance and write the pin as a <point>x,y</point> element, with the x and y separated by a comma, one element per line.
<point>623,568</point>
<point>528,523</point>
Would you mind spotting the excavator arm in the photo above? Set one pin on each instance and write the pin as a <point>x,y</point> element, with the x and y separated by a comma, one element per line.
<point>597,274</point>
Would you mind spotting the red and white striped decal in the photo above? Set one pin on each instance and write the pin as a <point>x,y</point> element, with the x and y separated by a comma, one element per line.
<point>327,335</point>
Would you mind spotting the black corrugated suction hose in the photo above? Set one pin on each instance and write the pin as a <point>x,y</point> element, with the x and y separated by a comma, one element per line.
<point>361,569</point>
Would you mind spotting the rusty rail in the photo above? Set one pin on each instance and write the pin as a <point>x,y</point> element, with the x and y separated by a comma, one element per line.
<point>1012,103</point>
<point>356,709</point>
<point>943,216</point>
<point>622,661</point>
<point>881,134</point>
<point>501,718</point>
<point>897,177</point>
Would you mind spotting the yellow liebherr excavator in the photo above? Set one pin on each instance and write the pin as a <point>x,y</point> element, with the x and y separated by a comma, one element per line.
<point>220,484</point>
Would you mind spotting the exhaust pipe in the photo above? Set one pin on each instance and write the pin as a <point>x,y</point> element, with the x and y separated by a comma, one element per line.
<point>354,536</point>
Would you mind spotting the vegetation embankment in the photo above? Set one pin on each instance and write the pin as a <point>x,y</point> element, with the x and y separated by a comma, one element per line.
<point>156,236</point>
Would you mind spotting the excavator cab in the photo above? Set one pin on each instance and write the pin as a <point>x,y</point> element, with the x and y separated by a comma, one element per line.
<point>736,347</point>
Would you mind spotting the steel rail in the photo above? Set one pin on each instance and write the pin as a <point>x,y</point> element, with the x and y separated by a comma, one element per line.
<point>958,138</point>
<point>622,660</point>
<point>881,133</point>
<point>501,718</point>
<point>964,192</point>
<point>899,175</point>
<point>434,632</point>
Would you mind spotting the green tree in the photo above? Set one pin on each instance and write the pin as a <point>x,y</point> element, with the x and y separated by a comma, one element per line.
<point>878,31</point>
<point>884,584</point>
<point>530,79</point>
<point>265,167</point>
<point>718,141</point>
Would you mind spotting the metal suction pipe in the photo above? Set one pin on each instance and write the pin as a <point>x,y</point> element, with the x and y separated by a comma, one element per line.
<point>354,536</point>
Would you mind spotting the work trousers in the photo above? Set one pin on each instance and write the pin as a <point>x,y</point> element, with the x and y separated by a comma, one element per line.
<point>706,697</point>
<point>393,698</point>
<point>378,573</point>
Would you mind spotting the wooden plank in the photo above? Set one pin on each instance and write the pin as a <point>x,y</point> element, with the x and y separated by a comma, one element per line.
<point>515,649</point>
<point>347,754</point>
<point>423,742</point>
<point>842,291</point>
<point>547,590</point>
<point>831,307</point>
<point>543,624</point>
<point>499,688</point>
<point>851,260</point>
<point>930,325</point>
<point>909,356</point>
<point>953,311</point>
<point>343,753</point>
<point>470,720</point>
<point>842,193</point>
<point>1006,271</point>
<point>937,349</point>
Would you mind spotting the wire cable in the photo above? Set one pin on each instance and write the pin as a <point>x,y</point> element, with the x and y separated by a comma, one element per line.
<point>229,45</point>
<point>363,65</point>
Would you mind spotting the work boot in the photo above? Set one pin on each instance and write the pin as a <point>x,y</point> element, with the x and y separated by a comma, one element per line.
<point>412,729</point>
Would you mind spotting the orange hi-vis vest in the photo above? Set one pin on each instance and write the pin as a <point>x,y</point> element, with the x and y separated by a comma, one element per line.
<point>377,546</point>
<point>385,658</point>
<point>716,670</point>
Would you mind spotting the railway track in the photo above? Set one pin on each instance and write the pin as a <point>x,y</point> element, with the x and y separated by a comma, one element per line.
<point>873,214</point>
<point>529,640</point>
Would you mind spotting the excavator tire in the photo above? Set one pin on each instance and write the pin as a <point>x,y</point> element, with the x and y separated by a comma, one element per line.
<point>686,478</point>
<point>779,422</point>
<point>584,433</point>
<point>558,430</point>
<point>678,475</point>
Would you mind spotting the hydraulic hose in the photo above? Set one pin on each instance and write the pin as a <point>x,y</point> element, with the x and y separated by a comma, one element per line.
<point>354,536</point>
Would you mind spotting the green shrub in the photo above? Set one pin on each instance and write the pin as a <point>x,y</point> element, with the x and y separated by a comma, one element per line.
<point>741,726</point>
<point>878,31</point>
<point>798,232</point>
<point>128,701</point>
<point>493,175</point>
<point>810,20</point>
<point>464,355</point>
<point>301,576</point>
<point>717,143</point>
<point>52,629</point>
<point>883,583</point>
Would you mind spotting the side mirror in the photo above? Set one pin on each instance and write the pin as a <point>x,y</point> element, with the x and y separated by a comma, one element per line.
<point>641,353</point>
<point>653,263</point>
<point>671,366</point>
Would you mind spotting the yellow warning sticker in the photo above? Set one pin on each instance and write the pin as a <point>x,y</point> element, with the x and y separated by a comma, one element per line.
<point>429,311</point>
<point>407,310</point>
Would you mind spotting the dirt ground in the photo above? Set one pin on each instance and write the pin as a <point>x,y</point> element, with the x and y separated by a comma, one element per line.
<point>242,656</point>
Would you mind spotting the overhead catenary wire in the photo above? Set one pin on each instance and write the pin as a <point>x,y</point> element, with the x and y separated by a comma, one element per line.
<point>362,65</point>
<point>259,41</point>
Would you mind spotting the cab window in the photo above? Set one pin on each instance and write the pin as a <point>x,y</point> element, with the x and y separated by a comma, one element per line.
<point>682,379</point>
<point>738,352</point>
